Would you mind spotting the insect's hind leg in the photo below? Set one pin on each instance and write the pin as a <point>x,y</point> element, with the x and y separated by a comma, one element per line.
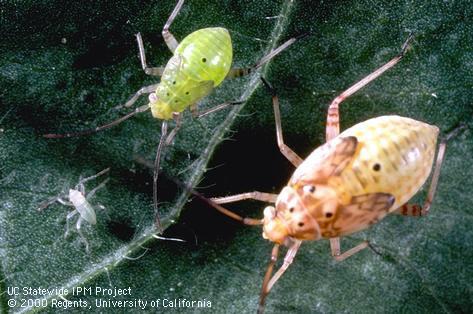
<point>333,117</point>
<point>154,71</point>
<point>336,253</point>
<point>285,150</point>
<point>171,42</point>
<point>415,209</point>
<point>238,72</point>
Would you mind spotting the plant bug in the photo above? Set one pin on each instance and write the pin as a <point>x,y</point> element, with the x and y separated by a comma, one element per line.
<point>348,184</point>
<point>200,62</point>
<point>80,201</point>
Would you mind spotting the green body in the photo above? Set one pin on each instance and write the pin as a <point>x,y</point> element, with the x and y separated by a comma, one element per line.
<point>200,62</point>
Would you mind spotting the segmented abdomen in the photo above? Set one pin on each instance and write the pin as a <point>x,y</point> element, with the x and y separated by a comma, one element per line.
<point>200,62</point>
<point>394,155</point>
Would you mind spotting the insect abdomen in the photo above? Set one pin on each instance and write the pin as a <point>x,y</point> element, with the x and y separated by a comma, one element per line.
<point>207,54</point>
<point>394,156</point>
<point>200,62</point>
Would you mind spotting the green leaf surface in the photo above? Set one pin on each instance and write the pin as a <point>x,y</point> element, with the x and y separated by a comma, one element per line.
<point>64,66</point>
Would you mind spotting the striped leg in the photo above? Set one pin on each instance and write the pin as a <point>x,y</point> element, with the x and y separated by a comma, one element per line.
<point>333,117</point>
<point>415,209</point>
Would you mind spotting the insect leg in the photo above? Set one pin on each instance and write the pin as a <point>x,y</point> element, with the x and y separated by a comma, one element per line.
<point>161,145</point>
<point>199,114</point>
<point>285,150</point>
<point>335,248</point>
<point>238,72</point>
<point>268,284</point>
<point>333,118</point>
<point>164,141</point>
<point>171,42</point>
<point>155,71</point>
<point>415,209</point>
<point>94,190</point>
<point>255,195</point>
<point>144,90</point>
<point>78,226</point>
<point>178,119</point>
<point>82,181</point>
<point>69,217</point>
<point>99,128</point>
<point>64,202</point>
<point>47,203</point>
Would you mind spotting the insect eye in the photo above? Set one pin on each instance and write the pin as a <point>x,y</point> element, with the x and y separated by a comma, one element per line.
<point>376,167</point>
<point>291,209</point>
<point>187,93</point>
<point>204,60</point>
<point>174,83</point>
<point>309,188</point>
<point>300,224</point>
<point>328,215</point>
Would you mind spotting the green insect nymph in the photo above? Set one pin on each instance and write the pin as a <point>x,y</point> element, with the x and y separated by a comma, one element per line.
<point>200,63</point>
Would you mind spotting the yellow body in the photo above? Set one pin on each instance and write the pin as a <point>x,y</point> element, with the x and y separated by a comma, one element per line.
<point>354,180</point>
<point>200,62</point>
<point>404,148</point>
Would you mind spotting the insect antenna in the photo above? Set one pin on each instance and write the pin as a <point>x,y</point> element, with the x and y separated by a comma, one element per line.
<point>223,210</point>
<point>99,128</point>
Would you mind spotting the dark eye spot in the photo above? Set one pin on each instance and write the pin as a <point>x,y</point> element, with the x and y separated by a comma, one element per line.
<point>312,189</point>
<point>174,83</point>
<point>176,101</point>
<point>300,224</point>
<point>328,215</point>
<point>204,60</point>
<point>376,167</point>
<point>167,94</point>
<point>187,93</point>
<point>291,209</point>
